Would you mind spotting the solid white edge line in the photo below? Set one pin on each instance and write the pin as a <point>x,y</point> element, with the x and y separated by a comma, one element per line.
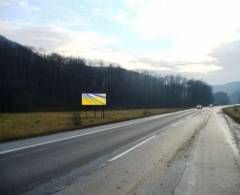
<point>131,149</point>
<point>58,140</point>
<point>87,133</point>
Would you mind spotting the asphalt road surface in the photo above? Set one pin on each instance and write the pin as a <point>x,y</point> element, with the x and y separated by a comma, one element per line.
<point>187,152</point>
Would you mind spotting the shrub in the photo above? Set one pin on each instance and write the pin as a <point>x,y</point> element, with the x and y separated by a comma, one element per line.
<point>146,113</point>
<point>76,118</point>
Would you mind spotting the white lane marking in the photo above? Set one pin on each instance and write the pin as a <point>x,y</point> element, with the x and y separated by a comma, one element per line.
<point>89,133</point>
<point>61,139</point>
<point>131,149</point>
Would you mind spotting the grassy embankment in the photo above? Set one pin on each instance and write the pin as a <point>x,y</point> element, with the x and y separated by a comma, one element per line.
<point>233,112</point>
<point>22,125</point>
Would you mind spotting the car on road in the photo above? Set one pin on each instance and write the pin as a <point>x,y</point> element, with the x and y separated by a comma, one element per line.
<point>199,107</point>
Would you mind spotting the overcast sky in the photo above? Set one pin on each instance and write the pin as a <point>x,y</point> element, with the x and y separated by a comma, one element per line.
<point>195,38</point>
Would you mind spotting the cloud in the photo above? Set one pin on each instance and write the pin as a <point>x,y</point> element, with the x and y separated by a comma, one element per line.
<point>120,18</point>
<point>95,46</point>
<point>55,38</point>
<point>22,4</point>
<point>6,3</point>
<point>199,32</point>
<point>227,56</point>
<point>195,27</point>
<point>203,67</point>
<point>86,44</point>
<point>198,68</point>
<point>31,35</point>
<point>153,64</point>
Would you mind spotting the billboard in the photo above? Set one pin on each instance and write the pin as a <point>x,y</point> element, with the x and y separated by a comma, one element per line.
<point>94,99</point>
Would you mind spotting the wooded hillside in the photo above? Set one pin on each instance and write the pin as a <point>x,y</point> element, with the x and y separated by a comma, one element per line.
<point>30,81</point>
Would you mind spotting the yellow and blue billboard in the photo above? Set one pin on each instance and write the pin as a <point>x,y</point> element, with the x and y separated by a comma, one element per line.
<point>94,99</point>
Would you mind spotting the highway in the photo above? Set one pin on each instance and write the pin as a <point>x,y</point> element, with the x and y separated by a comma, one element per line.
<point>187,152</point>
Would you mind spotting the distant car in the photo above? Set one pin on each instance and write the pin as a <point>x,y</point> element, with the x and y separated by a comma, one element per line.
<point>199,107</point>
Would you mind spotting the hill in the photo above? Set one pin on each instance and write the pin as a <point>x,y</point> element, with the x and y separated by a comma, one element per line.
<point>30,81</point>
<point>232,89</point>
<point>229,88</point>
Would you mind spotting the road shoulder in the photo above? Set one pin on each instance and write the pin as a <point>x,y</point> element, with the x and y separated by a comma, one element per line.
<point>128,173</point>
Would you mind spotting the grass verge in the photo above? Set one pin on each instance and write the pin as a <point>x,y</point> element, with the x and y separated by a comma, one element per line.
<point>23,125</point>
<point>233,112</point>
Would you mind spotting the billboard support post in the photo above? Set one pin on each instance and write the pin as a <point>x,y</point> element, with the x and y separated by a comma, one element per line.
<point>95,100</point>
<point>95,112</point>
<point>86,114</point>
<point>103,112</point>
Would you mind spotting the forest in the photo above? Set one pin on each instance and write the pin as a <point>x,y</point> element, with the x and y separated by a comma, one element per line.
<point>32,81</point>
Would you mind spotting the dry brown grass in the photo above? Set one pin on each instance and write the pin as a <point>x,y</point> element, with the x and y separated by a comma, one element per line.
<point>22,125</point>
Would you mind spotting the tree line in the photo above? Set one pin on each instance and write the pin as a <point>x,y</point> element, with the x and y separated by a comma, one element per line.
<point>221,98</point>
<point>30,81</point>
